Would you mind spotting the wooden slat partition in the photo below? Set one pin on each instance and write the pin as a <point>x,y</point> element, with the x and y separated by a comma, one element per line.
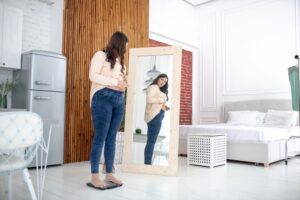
<point>88,24</point>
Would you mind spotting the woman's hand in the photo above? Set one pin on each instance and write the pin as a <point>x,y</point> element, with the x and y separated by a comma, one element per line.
<point>165,107</point>
<point>122,84</point>
<point>125,78</point>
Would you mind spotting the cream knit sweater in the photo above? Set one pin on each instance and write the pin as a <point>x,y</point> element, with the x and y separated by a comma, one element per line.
<point>155,100</point>
<point>101,75</point>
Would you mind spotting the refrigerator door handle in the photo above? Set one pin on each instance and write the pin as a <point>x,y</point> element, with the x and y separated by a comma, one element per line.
<point>41,98</point>
<point>42,83</point>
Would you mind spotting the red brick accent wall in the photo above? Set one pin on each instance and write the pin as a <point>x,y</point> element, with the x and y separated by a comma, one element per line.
<point>186,83</point>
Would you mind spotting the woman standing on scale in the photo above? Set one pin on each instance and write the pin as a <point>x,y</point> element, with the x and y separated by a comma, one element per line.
<point>107,74</point>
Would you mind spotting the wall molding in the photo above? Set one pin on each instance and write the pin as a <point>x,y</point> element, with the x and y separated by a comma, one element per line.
<point>208,103</point>
<point>208,120</point>
<point>216,57</point>
<point>226,90</point>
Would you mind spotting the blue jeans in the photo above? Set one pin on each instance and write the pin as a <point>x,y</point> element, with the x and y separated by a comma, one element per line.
<point>152,133</point>
<point>107,112</point>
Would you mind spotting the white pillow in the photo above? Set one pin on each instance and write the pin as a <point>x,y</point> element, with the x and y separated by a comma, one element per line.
<point>281,118</point>
<point>243,117</point>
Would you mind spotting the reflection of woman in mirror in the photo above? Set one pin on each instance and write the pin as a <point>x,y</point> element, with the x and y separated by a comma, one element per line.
<point>157,96</point>
<point>107,74</point>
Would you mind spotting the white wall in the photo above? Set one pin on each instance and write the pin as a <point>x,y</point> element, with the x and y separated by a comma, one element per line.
<point>174,19</point>
<point>245,49</point>
<point>42,28</point>
<point>241,49</point>
<point>42,24</point>
<point>174,22</point>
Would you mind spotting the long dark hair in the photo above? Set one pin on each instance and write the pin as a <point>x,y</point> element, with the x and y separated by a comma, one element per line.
<point>116,47</point>
<point>164,88</point>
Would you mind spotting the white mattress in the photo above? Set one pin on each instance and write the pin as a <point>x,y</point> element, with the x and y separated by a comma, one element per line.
<point>294,131</point>
<point>241,133</point>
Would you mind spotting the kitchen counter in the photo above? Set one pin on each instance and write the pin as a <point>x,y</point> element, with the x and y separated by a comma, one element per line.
<point>11,109</point>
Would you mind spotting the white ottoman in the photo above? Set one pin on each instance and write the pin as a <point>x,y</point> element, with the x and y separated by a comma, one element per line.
<point>206,150</point>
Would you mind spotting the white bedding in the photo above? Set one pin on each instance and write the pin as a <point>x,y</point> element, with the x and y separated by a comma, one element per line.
<point>241,133</point>
<point>294,131</point>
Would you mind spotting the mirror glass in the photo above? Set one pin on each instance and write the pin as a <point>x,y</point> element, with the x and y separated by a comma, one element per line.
<point>152,110</point>
<point>152,131</point>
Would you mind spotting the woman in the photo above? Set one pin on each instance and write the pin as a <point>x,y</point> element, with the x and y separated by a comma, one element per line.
<point>157,96</point>
<point>107,74</point>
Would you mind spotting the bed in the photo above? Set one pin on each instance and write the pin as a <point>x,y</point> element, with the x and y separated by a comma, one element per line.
<point>259,143</point>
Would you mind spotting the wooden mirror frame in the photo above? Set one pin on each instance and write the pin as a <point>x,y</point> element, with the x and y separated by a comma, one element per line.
<point>127,164</point>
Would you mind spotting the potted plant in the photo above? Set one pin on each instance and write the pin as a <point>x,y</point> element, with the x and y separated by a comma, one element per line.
<point>5,88</point>
<point>138,131</point>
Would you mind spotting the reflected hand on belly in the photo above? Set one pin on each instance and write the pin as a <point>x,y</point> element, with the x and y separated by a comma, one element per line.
<point>165,107</point>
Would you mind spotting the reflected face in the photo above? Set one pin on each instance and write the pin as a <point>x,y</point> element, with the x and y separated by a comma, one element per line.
<point>162,82</point>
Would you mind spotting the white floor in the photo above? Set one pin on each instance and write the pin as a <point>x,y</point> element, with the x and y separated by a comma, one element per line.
<point>232,181</point>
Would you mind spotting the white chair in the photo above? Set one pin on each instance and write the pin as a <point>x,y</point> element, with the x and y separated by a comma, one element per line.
<point>20,135</point>
<point>161,150</point>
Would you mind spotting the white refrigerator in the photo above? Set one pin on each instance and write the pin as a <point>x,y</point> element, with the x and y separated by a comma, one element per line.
<point>41,89</point>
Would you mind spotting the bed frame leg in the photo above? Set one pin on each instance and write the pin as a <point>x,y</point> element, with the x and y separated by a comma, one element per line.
<point>266,165</point>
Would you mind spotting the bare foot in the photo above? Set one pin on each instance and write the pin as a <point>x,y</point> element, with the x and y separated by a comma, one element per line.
<point>96,181</point>
<point>110,177</point>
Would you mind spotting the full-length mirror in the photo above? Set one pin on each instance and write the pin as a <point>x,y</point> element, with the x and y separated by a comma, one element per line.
<point>152,110</point>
